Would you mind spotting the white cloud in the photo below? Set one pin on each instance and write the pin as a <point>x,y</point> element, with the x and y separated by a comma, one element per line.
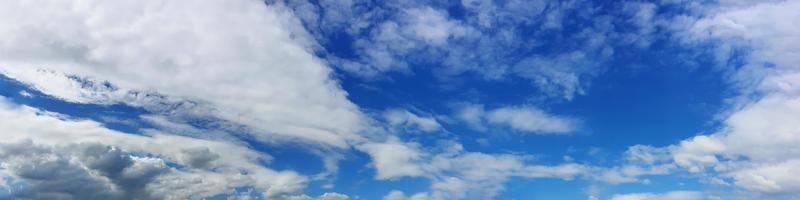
<point>399,195</point>
<point>772,178</point>
<point>333,196</point>
<point>458,174</point>
<point>246,62</point>
<point>465,175</point>
<point>395,195</point>
<point>756,147</point>
<point>433,26</point>
<point>489,40</point>
<point>674,195</point>
<point>560,75</point>
<point>472,114</point>
<point>526,119</point>
<point>210,167</point>
<point>531,119</point>
<point>393,159</point>
<point>410,121</point>
<point>646,154</point>
<point>25,94</point>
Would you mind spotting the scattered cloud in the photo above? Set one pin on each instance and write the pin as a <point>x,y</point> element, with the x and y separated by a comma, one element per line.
<point>410,122</point>
<point>674,195</point>
<point>399,195</point>
<point>488,41</point>
<point>333,196</point>
<point>117,165</point>
<point>252,68</point>
<point>459,174</point>
<point>393,159</point>
<point>525,119</point>
<point>755,147</point>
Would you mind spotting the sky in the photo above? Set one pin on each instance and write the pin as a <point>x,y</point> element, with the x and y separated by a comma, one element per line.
<point>400,100</point>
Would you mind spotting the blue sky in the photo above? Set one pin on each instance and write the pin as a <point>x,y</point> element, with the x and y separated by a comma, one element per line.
<point>400,100</point>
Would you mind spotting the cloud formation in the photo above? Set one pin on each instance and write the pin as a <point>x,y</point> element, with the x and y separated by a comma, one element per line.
<point>118,165</point>
<point>251,69</point>
<point>410,122</point>
<point>674,195</point>
<point>755,149</point>
<point>237,60</point>
<point>497,41</point>
<point>524,119</point>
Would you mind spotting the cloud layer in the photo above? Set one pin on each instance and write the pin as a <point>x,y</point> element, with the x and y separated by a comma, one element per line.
<point>221,81</point>
<point>237,60</point>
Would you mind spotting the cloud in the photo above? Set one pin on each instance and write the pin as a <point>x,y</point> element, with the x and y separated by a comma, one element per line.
<point>241,62</point>
<point>433,26</point>
<point>399,195</point>
<point>531,119</point>
<point>472,115</point>
<point>411,122</point>
<point>525,119</point>
<point>25,94</point>
<point>248,72</point>
<point>646,154</point>
<point>674,195</point>
<point>117,164</point>
<point>325,196</point>
<point>496,41</point>
<point>84,171</point>
<point>333,196</point>
<point>455,173</point>
<point>393,159</point>
<point>755,149</point>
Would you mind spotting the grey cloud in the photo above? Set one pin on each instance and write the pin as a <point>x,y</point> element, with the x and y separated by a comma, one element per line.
<point>79,171</point>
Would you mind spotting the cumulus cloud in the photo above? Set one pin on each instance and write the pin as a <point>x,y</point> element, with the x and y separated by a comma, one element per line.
<point>243,60</point>
<point>674,195</point>
<point>70,157</point>
<point>81,171</point>
<point>756,147</point>
<point>525,119</point>
<point>393,159</point>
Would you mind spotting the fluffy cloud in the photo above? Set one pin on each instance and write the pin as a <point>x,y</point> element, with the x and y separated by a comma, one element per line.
<point>433,26</point>
<point>61,157</point>
<point>242,61</point>
<point>333,196</point>
<point>526,119</point>
<point>529,119</point>
<point>85,171</point>
<point>756,147</point>
<point>459,174</point>
<point>393,159</point>
<point>325,196</point>
<point>399,195</point>
<point>674,195</point>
